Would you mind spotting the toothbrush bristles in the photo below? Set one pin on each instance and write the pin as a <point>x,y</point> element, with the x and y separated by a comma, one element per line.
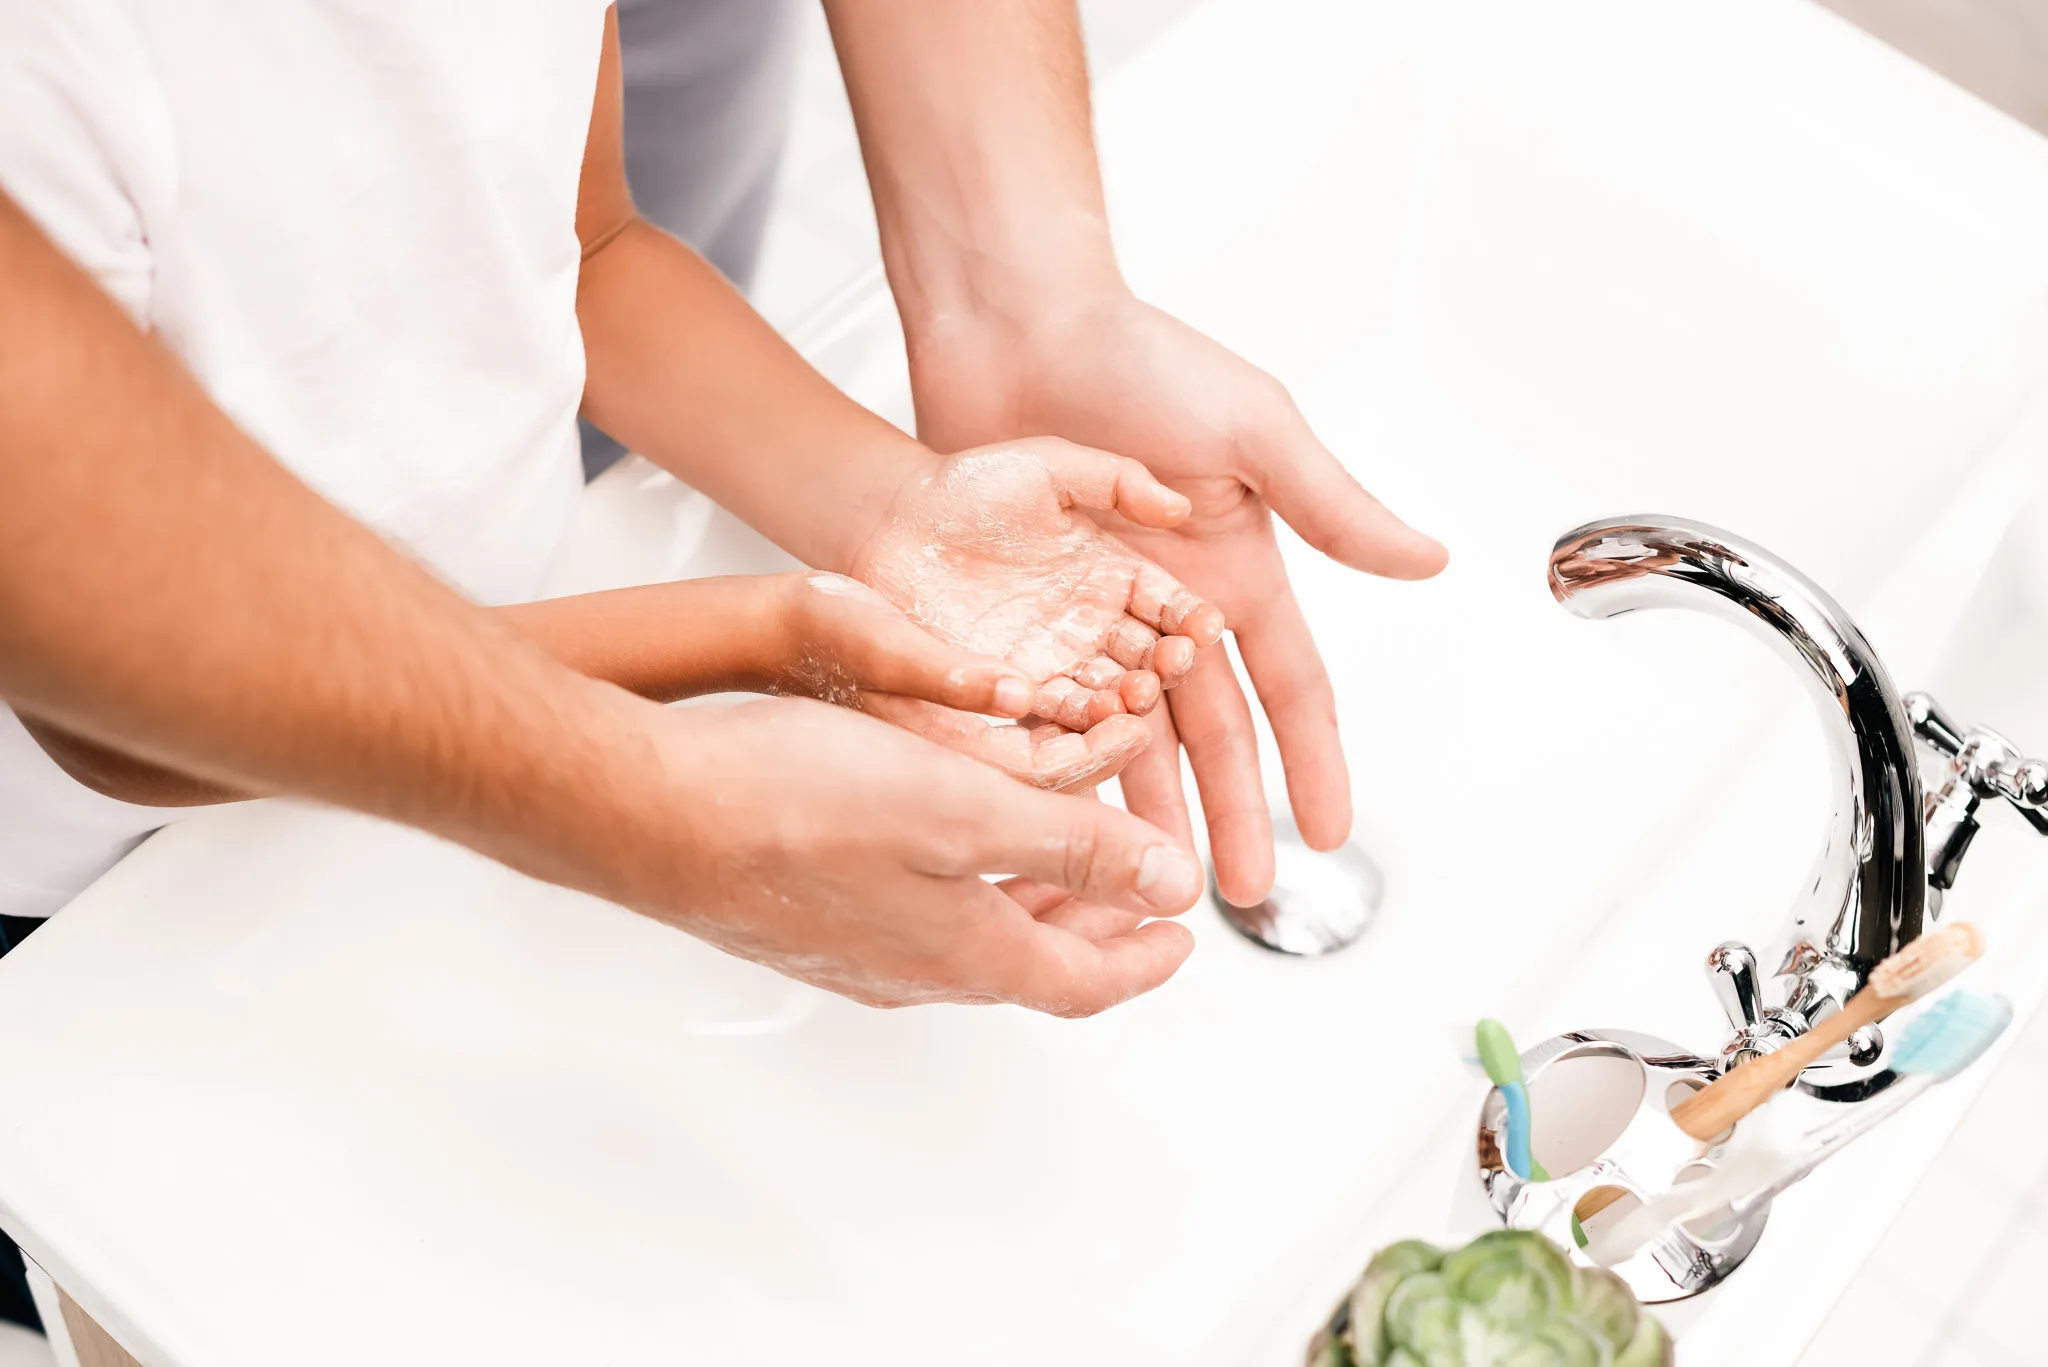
<point>1951,1035</point>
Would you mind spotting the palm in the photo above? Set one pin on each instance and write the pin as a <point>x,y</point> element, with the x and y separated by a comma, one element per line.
<point>988,559</point>
<point>1226,550</point>
<point>1130,379</point>
<point>991,553</point>
<point>1120,375</point>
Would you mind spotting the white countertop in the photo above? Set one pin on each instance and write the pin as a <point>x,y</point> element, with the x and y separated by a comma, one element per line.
<point>290,1085</point>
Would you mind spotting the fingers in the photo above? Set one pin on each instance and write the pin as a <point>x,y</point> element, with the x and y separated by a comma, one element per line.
<point>1162,602</point>
<point>1098,673</point>
<point>1215,724</point>
<point>1139,691</point>
<point>1152,786</point>
<point>1087,478</point>
<point>1072,705</point>
<point>1101,688</point>
<point>1131,644</point>
<point>1051,757</point>
<point>1057,907</point>
<point>953,678</point>
<point>1051,969</point>
<point>1317,497</point>
<point>1078,705</point>
<point>1172,659</point>
<point>1136,646</point>
<point>1089,848</point>
<point>1294,689</point>
<point>1066,761</point>
<point>884,651</point>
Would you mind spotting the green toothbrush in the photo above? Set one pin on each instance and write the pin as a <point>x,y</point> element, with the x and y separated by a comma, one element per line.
<point>1503,1065</point>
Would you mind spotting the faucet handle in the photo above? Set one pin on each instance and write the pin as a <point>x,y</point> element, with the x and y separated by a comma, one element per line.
<point>1982,764</point>
<point>1933,725</point>
<point>1731,973</point>
<point>1990,760</point>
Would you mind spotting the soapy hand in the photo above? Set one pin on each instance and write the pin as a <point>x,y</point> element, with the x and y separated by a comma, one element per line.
<point>992,551</point>
<point>842,642</point>
<point>1112,371</point>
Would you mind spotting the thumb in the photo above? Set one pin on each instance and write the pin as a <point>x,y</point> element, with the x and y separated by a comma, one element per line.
<point>1316,495</point>
<point>885,652</point>
<point>901,658</point>
<point>1087,478</point>
<point>1090,849</point>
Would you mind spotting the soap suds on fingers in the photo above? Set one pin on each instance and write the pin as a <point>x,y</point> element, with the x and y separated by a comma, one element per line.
<point>985,555</point>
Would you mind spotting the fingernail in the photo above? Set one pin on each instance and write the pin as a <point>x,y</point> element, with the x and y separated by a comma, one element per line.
<point>1013,695</point>
<point>1167,878</point>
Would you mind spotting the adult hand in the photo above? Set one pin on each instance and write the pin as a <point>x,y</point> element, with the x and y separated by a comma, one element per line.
<point>845,853</point>
<point>1115,373</point>
<point>992,551</point>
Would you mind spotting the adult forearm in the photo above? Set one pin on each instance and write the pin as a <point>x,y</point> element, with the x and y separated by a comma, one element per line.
<point>682,370</point>
<point>974,122</point>
<point>169,591</point>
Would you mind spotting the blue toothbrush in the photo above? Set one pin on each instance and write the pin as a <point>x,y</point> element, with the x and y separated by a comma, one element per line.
<point>1945,1039</point>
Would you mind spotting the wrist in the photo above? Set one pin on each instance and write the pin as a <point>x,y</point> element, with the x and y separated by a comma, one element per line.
<point>983,376</point>
<point>782,632</point>
<point>647,815</point>
<point>567,789</point>
<point>992,295</point>
<point>854,523</point>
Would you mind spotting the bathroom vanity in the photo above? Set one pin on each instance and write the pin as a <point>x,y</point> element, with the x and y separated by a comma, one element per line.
<point>294,1085</point>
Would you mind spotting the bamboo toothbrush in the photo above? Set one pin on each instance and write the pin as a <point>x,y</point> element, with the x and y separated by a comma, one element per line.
<point>1911,973</point>
<point>1947,1038</point>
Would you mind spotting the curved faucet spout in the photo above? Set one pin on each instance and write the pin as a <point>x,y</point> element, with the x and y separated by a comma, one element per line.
<point>1868,893</point>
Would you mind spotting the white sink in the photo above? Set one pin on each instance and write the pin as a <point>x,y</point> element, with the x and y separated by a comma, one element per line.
<point>291,1085</point>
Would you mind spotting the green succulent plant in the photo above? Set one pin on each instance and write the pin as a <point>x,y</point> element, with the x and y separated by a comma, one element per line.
<point>1507,1299</point>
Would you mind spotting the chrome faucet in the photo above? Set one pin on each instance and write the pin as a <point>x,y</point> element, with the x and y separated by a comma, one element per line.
<point>1889,852</point>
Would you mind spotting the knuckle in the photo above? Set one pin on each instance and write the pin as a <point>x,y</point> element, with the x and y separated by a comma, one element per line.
<point>1268,411</point>
<point>1044,449</point>
<point>1275,403</point>
<point>949,854</point>
<point>1206,731</point>
<point>1084,854</point>
<point>1297,691</point>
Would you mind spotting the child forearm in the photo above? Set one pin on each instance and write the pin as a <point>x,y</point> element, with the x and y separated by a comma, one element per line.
<point>667,642</point>
<point>664,642</point>
<point>683,371</point>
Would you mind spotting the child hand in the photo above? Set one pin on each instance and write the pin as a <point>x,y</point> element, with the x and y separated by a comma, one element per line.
<point>847,644</point>
<point>841,642</point>
<point>991,551</point>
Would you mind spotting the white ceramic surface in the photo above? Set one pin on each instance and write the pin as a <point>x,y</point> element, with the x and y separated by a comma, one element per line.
<point>290,1085</point>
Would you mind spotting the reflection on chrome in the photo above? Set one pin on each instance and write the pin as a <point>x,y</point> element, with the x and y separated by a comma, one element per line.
<point>1869,893</point>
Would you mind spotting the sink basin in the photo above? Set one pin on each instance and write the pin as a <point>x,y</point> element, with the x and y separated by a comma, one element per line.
<point>290,1085</point>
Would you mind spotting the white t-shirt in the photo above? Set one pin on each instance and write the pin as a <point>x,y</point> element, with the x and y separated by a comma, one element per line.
<point>354,220</point>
